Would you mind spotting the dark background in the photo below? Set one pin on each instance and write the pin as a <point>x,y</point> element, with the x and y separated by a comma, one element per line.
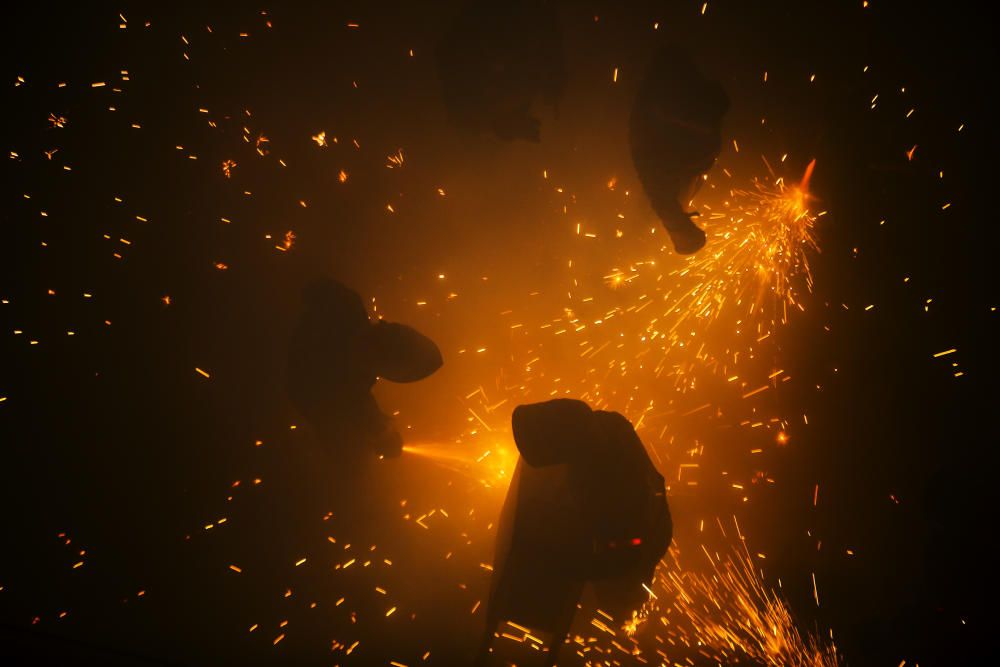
<point>110,437</point>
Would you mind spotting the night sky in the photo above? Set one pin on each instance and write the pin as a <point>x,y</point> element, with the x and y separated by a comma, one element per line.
<point>173,178</point>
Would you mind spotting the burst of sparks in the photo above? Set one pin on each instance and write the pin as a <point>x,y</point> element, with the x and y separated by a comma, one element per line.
<point>751,272</point>
<point>614,338</point>
<point>732,615</point>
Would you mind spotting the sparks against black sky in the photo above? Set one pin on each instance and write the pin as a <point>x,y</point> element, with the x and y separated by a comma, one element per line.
<point>174,181</point>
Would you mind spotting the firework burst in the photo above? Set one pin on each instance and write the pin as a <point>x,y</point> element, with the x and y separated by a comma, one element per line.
<point>729,614</point>
<point>752,272</point>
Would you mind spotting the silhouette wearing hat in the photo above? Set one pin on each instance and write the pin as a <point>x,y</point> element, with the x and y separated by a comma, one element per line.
<point>336,354</point>
<point>585,506</point>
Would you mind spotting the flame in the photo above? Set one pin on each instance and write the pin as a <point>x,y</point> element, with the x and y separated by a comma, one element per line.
<point>491,467</point>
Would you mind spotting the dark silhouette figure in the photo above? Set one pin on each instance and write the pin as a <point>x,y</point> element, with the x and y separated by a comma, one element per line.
<point>674,136</point>
<point>312,488</point>
<point>585,506</point>
<point>335,356</point>
<point>496,61</point>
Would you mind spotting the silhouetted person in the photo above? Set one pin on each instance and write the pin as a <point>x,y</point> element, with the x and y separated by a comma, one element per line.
<point>336,354</point>
<point>311,489</point>
<point>675,137</point>
<point>496,61</point>
<point>585,505</point>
